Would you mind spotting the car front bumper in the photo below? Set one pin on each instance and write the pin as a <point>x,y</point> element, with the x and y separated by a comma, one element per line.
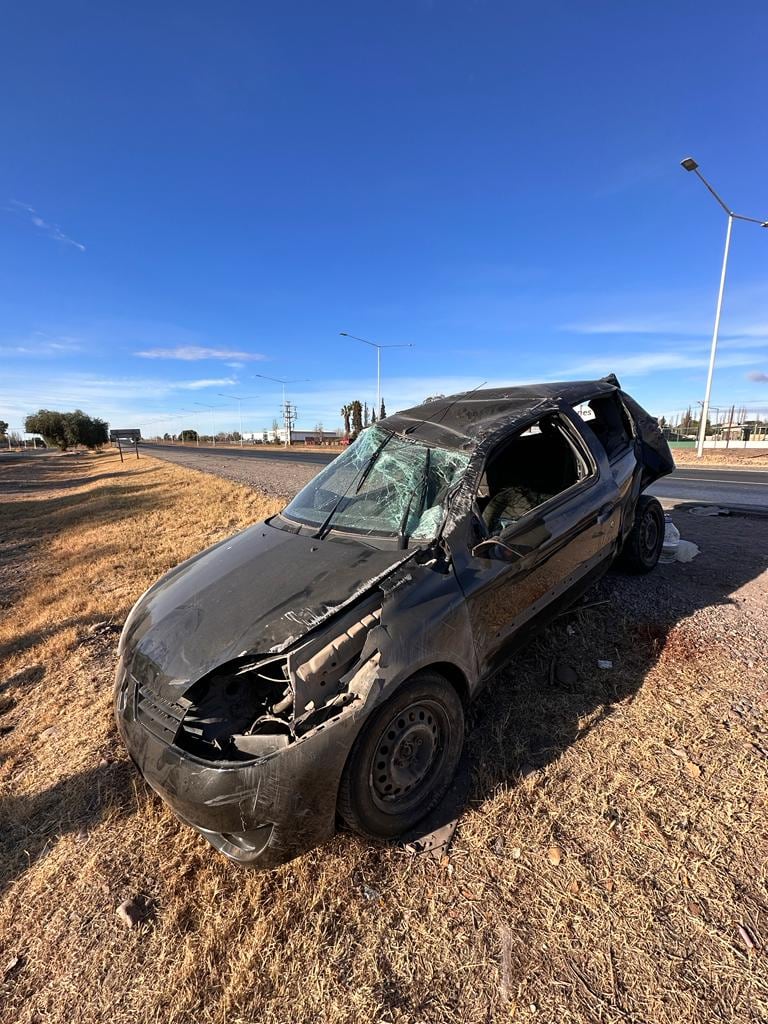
<point>261,813</point>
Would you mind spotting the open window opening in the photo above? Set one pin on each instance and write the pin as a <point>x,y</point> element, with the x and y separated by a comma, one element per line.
<point>609,421</point>
<point>528,470</point>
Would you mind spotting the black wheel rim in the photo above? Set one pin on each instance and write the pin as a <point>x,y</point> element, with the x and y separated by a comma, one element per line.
<point>649,535</point>
<point>409,757</point>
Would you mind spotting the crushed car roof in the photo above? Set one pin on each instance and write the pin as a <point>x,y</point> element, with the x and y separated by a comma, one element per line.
<point>465,419</point>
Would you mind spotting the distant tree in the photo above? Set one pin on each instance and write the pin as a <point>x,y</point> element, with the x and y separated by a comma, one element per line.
<point>346,412</point>
<point>357,416</point>
<point>382,410</point>
<point>366,419</point>
<point>166,436</point>
<point>662,422</point>
<point>373,415</point>
<point>189,435</point>
<point>687,421</point>
<point>66,429</point>
<point>3,428</point>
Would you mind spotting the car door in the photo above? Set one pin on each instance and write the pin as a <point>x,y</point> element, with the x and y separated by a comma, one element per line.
<point>510,580</point>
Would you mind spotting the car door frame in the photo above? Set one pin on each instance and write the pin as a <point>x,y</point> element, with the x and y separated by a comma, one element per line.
<point>596,498</point>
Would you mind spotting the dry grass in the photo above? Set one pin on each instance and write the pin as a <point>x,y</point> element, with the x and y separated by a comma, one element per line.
<point>740,457</point>
<point>644,777</point>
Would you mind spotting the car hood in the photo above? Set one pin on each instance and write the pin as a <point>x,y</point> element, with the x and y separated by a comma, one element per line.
<point>255,593</point>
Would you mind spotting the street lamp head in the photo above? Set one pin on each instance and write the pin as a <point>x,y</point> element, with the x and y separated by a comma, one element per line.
<point>343,334</point>
<point>689,164</point>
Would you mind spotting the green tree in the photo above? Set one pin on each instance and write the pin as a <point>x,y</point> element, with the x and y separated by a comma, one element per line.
<point>52,425</point>
<point>65,429</point>
<point>357,416</point>
<point>3,428</point>
<point>382,410</point>
<point>346,412</point>
<point>188,434</point>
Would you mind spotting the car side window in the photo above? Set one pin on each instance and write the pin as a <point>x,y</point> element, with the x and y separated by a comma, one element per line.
<point>526,471</point>
<point>608,420</point>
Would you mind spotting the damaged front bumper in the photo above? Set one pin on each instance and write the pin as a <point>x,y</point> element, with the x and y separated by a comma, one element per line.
<point>261,812</point>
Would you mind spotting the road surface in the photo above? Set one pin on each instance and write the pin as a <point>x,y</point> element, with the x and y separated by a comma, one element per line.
<point>286,471</point>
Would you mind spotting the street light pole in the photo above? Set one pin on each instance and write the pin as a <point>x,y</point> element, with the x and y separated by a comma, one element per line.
<point>239,399</point>
<point>213,421</point>
<point>689,164</point>
<point>378,348</point>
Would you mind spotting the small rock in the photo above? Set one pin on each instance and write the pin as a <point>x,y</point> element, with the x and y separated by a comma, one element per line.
<point>604,663</point>
<point>555,855</point>
<point>516,853</point>
<point>12,964</point>
<point>370,893</point>
<point>132,912</point>
<point>48,734</point>
<point>566,675</point>
<point>693,769</point>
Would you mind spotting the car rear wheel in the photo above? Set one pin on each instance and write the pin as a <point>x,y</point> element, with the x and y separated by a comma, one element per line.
<point>402,763</point>
<point>643,545</point>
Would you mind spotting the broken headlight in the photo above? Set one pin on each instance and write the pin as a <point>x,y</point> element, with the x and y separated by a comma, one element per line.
<point>239,712</point>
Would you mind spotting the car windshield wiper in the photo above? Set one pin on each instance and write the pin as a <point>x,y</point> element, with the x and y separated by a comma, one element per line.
<point>363,477</point>
<point>402,540</point>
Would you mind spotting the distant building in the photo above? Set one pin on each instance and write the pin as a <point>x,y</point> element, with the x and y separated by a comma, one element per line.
<point>297,436</point>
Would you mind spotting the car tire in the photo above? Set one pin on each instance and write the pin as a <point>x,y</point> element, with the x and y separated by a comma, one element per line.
<point>404,759</point>
<point>642,547</point>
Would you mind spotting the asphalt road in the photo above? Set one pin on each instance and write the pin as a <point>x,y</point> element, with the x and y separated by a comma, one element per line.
<point>712,485</point>
<point>272,454</point>
<point>719,485</point>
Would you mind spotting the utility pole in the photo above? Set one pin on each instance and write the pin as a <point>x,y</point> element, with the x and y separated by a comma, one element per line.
<point>290,412</point>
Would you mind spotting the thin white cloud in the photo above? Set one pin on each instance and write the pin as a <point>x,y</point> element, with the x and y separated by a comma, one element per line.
<point>758,377</point>
<point>39,343</point>
<point>200,385</point>
<point>652,362</point>
<point>195,353</point>
<point>51,230</point>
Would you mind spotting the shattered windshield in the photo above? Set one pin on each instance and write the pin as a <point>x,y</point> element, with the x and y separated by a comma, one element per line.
<point>383,484</point>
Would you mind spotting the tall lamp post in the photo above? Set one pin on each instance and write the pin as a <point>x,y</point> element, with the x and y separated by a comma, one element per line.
<point>213,422</point>
<point>284,381</point>
<point>239,401</point>
<point>378,348</point>
<point>689,164</point>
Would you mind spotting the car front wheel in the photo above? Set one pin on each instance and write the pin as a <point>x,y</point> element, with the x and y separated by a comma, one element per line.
<point>402,763</point>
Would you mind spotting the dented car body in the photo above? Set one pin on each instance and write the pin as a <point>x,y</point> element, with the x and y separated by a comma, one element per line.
<point>271,683</point>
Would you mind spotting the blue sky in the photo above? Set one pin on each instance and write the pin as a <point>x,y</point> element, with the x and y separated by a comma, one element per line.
<point>192,194</point>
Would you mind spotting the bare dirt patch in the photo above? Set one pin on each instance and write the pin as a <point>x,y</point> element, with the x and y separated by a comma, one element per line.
<point>742,458</point>
<point>611,864</point>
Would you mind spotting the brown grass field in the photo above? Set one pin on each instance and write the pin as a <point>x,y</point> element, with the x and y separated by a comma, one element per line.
<point>610,866</point>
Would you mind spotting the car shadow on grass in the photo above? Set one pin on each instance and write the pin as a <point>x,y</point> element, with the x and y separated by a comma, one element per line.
<point>30,826</point>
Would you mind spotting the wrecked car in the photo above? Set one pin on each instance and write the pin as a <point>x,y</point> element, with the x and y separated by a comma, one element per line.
<point>315,668</point>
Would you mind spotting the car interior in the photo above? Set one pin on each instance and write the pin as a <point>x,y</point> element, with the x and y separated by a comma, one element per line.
<point>611,426</point>
<point>526,471</point>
